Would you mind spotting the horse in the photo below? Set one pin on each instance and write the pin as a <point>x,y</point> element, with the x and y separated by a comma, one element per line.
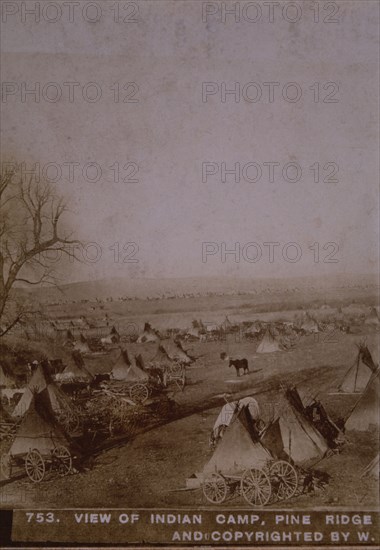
<point>237,363</point>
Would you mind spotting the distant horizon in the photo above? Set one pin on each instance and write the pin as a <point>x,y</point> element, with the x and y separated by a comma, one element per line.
<point>237,276</point>
<point>228,278</point>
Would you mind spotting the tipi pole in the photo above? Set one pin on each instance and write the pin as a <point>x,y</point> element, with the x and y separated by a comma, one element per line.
<point>346,374</point>
<point>357,370</point>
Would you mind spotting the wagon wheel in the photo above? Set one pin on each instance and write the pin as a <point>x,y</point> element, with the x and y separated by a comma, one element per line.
<point>215,489</point>
<point>139,393</point>
<point>6,465</point>
<point>69,421</point>
<point>179,381</point>
<point>255,487</point>
<point>284,478</point>
<point>35,466</point>
<point>62,460</point>
<point>175,369</point>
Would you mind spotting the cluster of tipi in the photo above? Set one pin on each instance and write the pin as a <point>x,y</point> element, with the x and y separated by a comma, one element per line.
<point>43,402</point>
<point>293,435</point>
<point>290,436</point>
<point>133,369</point>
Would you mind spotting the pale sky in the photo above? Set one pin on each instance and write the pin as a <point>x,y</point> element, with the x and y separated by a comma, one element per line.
<point>170,131</point>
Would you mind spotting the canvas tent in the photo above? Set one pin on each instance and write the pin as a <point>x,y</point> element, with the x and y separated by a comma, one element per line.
<point>37,431</point>
<point>193,333</point>
<point>148,335</point>
<point>238,450</point>
<point>372,470</point>
<point>268,344</point>
<point>301,440</point>
<point>38,384</point>
<point>75,373</point>
<point>230,409</point>
<point>161,358</point>
<point>365,414</point>
<point>373,318</point>
<point>292,435</point>
<point>82,345</point>
<point>6,381</point>
<point>358,375</point>
<point>176,353</point>
<point>112,338</point>
<point>140,361</point>
<point>227,325</point>
<point>127,371</point>
<point>309,325</point>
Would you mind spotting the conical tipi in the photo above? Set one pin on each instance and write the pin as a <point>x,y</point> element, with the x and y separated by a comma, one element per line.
<point>6,381</point>
<point>237,450</point>
<point>37,384</point>
<point>161,358</point>
<point>357,377</point>
<point>268,344</point>
<point>126,371</point>
<point>176,353</point>
<point>148,335</point>
<point>37,431</point>
<point>365,414</point>
<point>372,470</point>
<point>82,345</point>
<point>373,318</point>
<point>75,373</point>
<point>309,325</point>
<point>301,440</point>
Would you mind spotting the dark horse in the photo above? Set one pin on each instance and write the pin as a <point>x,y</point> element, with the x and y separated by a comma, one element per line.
<point>237,363</point>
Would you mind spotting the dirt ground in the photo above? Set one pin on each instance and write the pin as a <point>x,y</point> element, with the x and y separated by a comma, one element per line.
<point>151,469</point>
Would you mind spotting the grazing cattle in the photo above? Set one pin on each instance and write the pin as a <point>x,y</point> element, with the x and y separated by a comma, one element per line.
<point>239,364</point>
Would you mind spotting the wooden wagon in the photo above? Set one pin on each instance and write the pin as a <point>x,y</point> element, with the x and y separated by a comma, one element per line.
<point>277,480</point>
<point>38,447</point>
<point>170,371</point>
<point>136,392</point>
<point>175,374</point>
<point>38,463</point>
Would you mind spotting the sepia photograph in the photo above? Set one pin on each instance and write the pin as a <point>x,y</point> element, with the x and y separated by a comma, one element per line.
<point>189,273</point>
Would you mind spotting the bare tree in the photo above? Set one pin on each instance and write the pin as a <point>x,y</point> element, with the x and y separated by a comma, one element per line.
<point>31,226</point>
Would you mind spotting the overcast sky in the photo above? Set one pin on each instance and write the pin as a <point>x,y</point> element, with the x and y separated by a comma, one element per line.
<point>171,130</point>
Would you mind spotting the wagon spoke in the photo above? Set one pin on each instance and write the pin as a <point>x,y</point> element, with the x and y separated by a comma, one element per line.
<point>255,487</point>
<point>139,393</point>
<point>215,489</point>
<point>62,460</point>
<point>35,466</point>
<point>285,477</point>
